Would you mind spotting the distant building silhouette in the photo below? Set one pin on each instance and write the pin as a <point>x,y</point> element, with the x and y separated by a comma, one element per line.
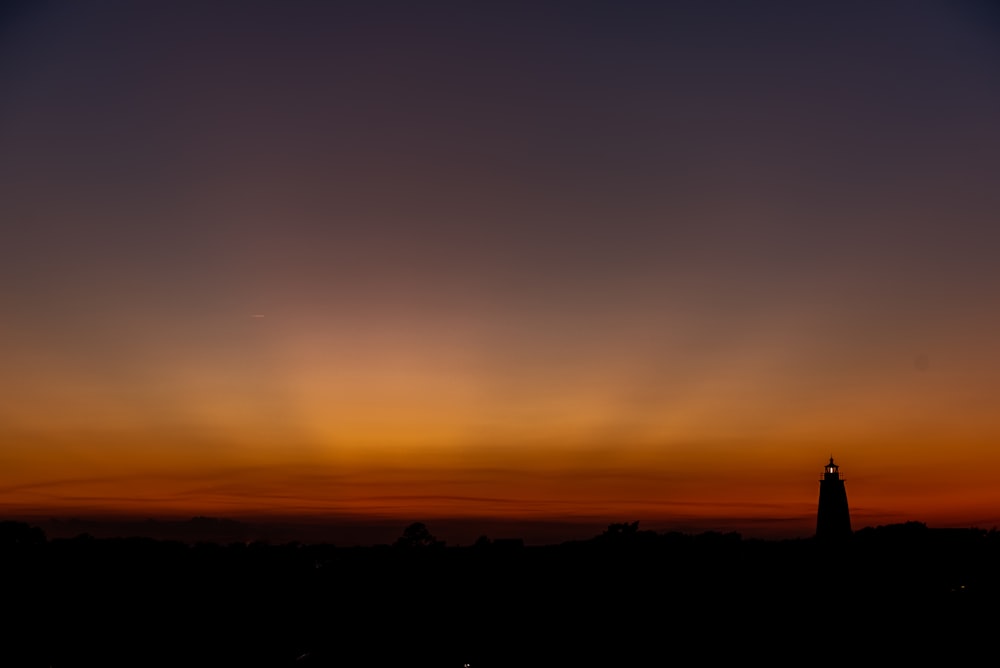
<point>833,520</point>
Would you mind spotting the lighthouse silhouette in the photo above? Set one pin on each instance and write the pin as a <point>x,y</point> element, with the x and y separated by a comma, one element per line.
<point>833,521</point>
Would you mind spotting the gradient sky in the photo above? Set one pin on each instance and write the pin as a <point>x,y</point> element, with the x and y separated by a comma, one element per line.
<point>648,261</point>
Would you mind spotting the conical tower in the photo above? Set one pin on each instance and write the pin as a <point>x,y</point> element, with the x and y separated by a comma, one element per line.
<point>833,521</point>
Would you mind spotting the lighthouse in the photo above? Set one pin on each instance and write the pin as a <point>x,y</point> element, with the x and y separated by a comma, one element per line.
<point>833,521</point>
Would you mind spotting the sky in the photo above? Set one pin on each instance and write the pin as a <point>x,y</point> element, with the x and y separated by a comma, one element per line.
<point>529,261</point>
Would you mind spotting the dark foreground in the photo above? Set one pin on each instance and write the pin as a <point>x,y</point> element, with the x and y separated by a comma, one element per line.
<point>628,597</point>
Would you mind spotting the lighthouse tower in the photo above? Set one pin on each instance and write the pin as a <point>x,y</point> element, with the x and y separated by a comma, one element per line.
<point>833,521</point>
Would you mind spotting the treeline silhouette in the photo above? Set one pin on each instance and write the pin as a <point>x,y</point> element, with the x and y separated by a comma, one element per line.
<point>627,595</point>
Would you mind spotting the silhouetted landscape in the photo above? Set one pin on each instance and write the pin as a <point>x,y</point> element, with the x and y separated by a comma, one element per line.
<point>625,595</point>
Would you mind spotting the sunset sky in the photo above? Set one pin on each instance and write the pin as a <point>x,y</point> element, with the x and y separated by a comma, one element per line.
<point>561,261</point>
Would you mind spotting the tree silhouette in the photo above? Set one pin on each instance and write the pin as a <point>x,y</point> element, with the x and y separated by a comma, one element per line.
<point>19,534</point>
<point>417,535</point>
<point>622,530</point>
